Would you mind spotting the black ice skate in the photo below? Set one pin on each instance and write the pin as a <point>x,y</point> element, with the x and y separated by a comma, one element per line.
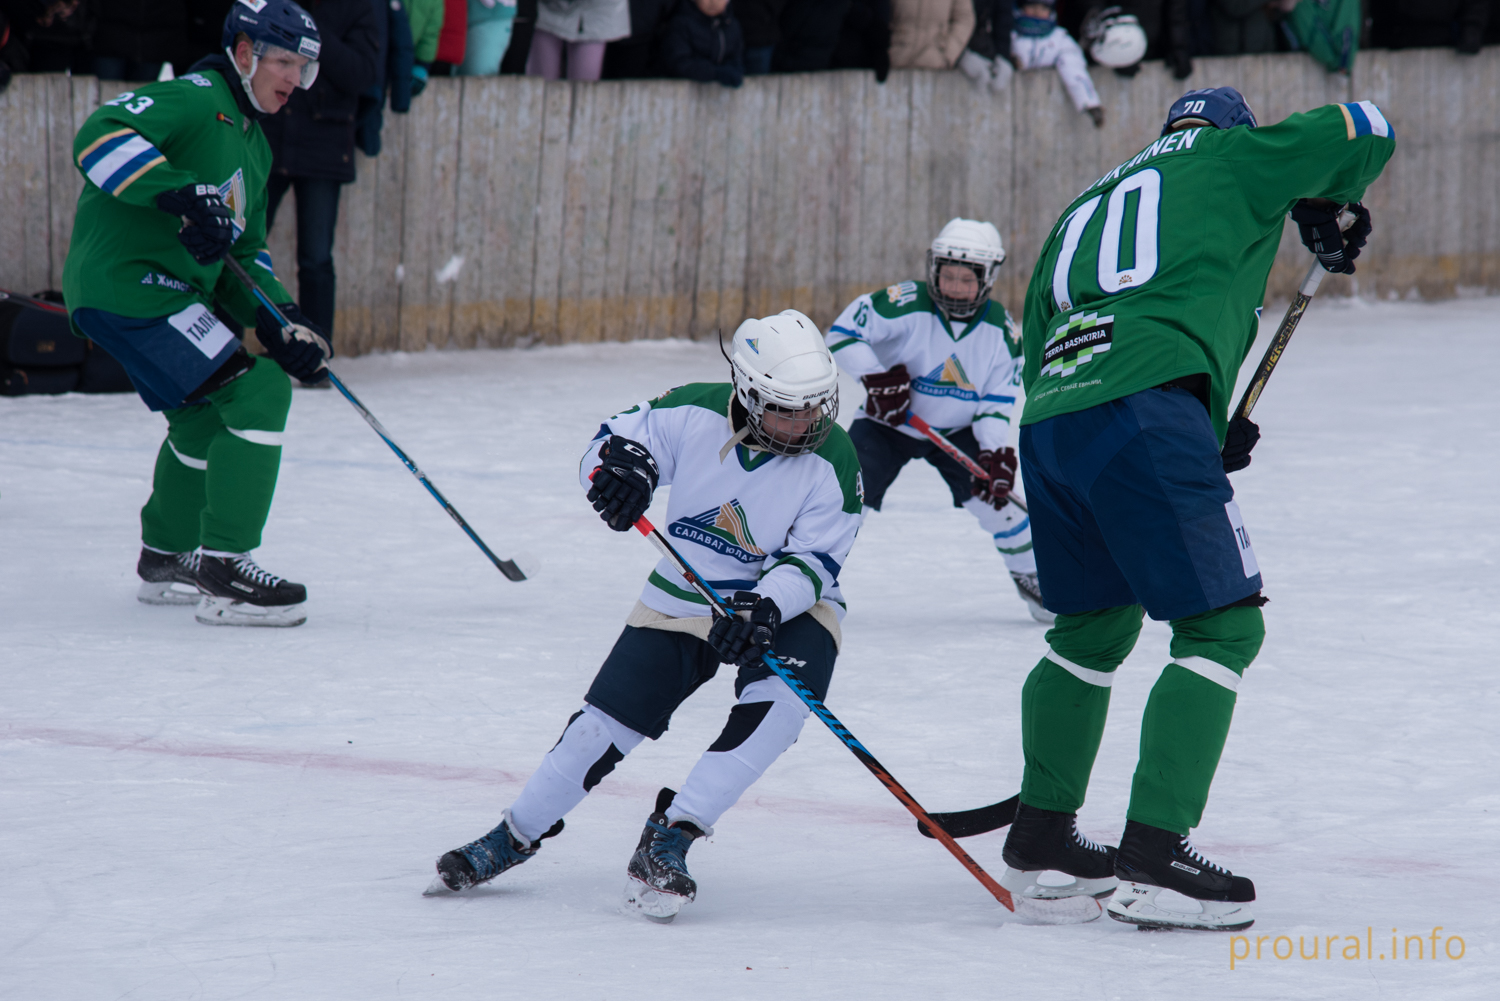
<point>1151,860</point>
<point>236,592</point>
<point>1031,593</point>
<point>659,882</point>
<point>482,860</point>
<point>1043,841</point>
<point>168,578</point>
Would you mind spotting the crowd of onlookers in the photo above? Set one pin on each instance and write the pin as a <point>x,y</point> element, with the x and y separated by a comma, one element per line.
<point>726,40</point>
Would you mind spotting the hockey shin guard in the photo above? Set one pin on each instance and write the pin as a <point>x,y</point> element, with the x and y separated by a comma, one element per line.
<point>244,458</point>
<point>171,519</point>
<point>1010,527</point>
<point>591,745</point>
<point>1188,714</point>
<point>764,723</point>
<point>1065,701</point>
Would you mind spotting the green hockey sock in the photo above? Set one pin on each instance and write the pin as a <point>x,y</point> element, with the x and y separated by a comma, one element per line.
<point>1188,714</point>
<point>170,519</point>
<point>245,457</point>
<point>1065,701</point>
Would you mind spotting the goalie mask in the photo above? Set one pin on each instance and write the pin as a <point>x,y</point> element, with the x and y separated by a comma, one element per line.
<point>785,378</point>
<point>274,27</point>
<point>973,245</point>
<point>1114,38</point>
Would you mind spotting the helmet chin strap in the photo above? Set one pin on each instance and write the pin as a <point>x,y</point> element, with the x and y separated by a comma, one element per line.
<point>245,77</point>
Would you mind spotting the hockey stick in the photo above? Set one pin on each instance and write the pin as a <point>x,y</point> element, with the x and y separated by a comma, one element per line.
<point>720,607</point>
<point>958,455</point>
<point>980,820</point>
<point>507,567</point>
<point>1278,343</point>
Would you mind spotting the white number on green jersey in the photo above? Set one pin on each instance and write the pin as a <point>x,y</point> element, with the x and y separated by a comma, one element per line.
<point>1142,211</point>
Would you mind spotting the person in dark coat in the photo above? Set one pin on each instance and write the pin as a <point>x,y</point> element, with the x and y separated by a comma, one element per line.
<point>865,39</point>
<point>632,58</point>
<point>312,144</point>
<point>132,38</point>
<point>703,42</point>
<point>760,24</point>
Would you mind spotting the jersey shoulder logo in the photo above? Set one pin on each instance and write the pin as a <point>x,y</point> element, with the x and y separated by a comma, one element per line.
<point>233,193</point>
<point>947,379</point>
<point>197,80</point>
<point>902,293</point>
<point>724,529</point>
<point>1077,342</point>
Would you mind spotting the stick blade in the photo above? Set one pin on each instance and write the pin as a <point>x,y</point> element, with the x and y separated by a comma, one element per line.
<point>981,820</point>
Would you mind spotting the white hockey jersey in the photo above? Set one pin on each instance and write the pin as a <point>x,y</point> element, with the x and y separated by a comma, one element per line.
<point>969,376</point>
<point>752,521</point>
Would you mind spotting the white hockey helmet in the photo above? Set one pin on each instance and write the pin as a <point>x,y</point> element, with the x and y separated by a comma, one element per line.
<point>1114,38</point>
<point>785,378</point>
<point>974,244</point>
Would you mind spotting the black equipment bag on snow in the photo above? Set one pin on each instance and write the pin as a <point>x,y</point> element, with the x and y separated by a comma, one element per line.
<point>39,353</point>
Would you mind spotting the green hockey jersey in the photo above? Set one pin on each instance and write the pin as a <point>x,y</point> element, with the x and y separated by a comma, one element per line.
<point>125,257</point>
<point>1158,269</point>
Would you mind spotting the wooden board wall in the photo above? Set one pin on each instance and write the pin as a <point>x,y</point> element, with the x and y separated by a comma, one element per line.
<point>506,209</point>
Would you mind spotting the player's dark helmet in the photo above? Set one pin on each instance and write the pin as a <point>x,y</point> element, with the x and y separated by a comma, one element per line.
<point>1220,107</point>
<point>275,23</point>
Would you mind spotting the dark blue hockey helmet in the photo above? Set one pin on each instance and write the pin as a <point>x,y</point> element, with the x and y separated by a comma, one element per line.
<point>1220,107</point>
<point>275,23</point>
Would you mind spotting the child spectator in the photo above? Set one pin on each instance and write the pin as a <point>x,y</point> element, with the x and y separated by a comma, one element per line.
<point>1037,41</point>
<point>579,31</point>
<point>703,42</point>
<point>490,23</point>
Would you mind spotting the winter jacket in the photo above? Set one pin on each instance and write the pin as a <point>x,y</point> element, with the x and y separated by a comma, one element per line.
<point>455,31</point>
<point>760,21</point>
<point>992,21</point>
<point>707,49</point>
<point>929,34</point>
<point>313,136</point>
<point>393,76</point>
<point>148,31</point>
<point>809,34</point>
<point>865,39</point>
<point>585,20</point>
<point>426,17</point>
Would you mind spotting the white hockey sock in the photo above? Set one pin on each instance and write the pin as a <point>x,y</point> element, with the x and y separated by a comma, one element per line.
<point>764,724</point>
<point>588,750</point>
<point>1010,528</point>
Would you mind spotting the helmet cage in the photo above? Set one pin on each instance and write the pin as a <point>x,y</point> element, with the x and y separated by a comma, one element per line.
<point>799,429</point>
<point>954,308</point>
<point>790,405</point>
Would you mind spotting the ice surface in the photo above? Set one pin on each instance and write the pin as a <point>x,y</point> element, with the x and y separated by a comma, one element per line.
<point>191,812</point>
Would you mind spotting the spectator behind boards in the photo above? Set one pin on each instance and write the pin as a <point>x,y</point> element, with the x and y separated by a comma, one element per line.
<point>929,34</point>
<point>1037,41</point>
<point>490,24</point>
<point>312,145</point>
<point>426,19</point>
<point>579,31</point>
<point>703,43</point>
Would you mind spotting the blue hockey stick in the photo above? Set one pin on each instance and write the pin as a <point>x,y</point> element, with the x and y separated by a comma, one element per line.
<point>507,567</point>
<point>720,607</point>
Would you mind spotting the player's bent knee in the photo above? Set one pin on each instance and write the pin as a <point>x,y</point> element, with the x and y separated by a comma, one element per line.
<point>1099,640</point>
<point>1231,636</point>
<point>590,746</point>
<point>258,400</point>
<point>772,690</point>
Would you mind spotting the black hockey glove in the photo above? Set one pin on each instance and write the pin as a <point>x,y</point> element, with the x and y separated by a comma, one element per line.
<point>995,488</point>
<point>303,351</point>
<point>1238,441</point>
<point>622,485</point>
<point>739,640</point>
<point>1318,223</point>
<point>888,395</point>
<point>207,223</point>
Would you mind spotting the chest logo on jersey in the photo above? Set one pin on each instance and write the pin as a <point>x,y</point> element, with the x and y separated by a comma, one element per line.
<point>1085,336</point>
<point>947,379</point>
<point>166,281</point>
<point>233,193</point>
<point>724,529</point>
<point>901,294</point>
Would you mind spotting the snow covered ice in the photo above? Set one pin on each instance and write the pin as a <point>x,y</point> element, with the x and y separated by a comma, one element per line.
<point>213,813</point>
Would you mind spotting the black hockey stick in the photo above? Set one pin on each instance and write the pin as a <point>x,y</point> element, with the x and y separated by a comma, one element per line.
<point>507,567</point>
<point>1278,343</point>
<point>719,607</point>
<point>980,820</point>
<point>935,436</point>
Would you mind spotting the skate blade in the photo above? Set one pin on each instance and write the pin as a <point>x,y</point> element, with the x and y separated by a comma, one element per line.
<point>1028,884</point>
<point>1057,910</point>
<point>439,889</point>
<point>228,612</point>
<point>167,592</point>
<point>653,905</point>
<point>1135,904</point>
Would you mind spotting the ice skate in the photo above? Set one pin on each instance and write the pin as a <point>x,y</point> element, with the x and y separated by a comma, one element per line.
<point>659,883</point>
<point>481,861</point>
<point>1151,860</point>
<point>168,578</point>
<point>1043,841</point>
<point>236,592</point>
<point>1031,593</point>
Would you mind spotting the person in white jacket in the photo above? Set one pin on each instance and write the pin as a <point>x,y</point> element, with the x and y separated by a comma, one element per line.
<point>1037,41</point>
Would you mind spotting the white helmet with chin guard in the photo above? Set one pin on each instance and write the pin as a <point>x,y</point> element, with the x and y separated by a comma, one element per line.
<point>785,378</point>
<point>975,245</point>
<point>1114,38</point>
